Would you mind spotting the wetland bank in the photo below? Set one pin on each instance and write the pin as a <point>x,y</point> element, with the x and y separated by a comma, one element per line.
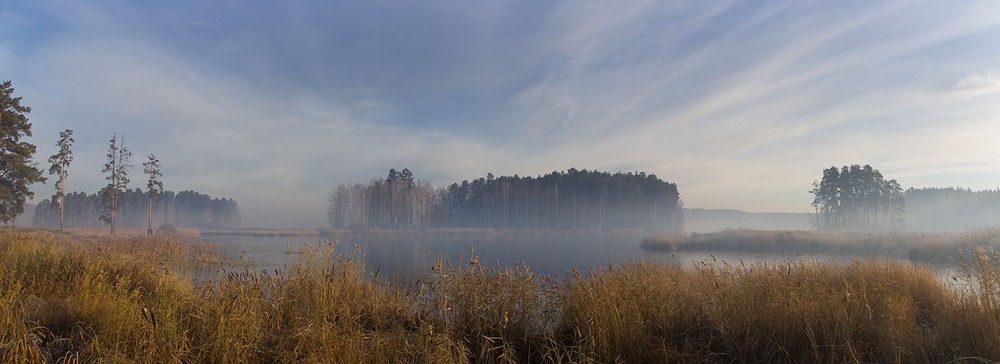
<point>132,299</point>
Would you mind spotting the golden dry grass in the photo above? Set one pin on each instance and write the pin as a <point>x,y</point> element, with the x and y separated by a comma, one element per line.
<point>124,300</point>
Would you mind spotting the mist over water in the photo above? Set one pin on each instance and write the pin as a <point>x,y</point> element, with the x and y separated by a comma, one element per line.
<point>709,220</point>
<point>415,253</point>
<point>545,252</point>
<point>555,255</point>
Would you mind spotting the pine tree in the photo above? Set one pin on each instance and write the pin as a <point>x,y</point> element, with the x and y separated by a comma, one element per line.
<point>153,186</point>
<point>857,197</point>
<point>117,168</point>
<point>60,162</point>
<point>17,171</point>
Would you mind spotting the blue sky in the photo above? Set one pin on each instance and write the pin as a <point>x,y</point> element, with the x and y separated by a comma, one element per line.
<point>741,103</point>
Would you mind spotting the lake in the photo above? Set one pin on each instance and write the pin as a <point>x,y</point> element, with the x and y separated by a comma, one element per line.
<point>556,255</point>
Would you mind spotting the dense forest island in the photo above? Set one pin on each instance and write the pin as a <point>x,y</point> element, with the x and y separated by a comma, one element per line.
<point>181,209</point>
<point>578,200</point>
<point>858,197</point>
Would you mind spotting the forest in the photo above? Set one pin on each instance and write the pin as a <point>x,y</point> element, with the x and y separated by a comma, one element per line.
<point>182,209</point>
<point>951,209</point>
<point>857,197</point>
<point>570,200</point>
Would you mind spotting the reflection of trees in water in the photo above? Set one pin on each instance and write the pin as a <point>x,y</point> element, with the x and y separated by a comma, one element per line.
<point>412,254</point>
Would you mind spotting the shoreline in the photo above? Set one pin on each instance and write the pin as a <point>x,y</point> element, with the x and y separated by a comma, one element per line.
<point>126,299</point>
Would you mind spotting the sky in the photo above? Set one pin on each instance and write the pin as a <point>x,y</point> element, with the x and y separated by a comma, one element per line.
<point>742,104</point>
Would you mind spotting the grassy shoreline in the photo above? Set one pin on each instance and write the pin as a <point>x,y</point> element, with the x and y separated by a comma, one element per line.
<point>130,300</point>
<point>916,246</point>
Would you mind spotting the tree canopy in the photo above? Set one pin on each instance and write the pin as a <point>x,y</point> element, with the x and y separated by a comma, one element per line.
<point>17,170</point>
<point>570,200</point>
<point>857,197</point>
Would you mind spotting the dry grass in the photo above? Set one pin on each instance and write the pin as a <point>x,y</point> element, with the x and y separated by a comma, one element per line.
<point>787,312</point>
<point>123,301</point>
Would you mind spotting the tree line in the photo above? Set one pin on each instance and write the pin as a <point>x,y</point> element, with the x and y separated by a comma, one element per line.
<point>570,200</point>
<point>112,204</point>
<point>857,197</point>
<point>952,208</point>
<point>396,202</point>
<point>181,209</point>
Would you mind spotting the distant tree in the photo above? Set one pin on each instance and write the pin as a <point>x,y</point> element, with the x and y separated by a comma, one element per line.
<point>183,209</point>
<point>571,200</point>
<point>117,169</point>
<point>397,202</point>
<point>857,197</point>
<point>60,162</point>
<point>17,171</point>
<point>951,208</point>
<point>153,186</point>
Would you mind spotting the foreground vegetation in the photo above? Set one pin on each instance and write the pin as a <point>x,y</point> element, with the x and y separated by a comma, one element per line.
<point>131,300</point>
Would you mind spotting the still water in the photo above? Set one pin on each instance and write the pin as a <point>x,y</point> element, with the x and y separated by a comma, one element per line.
<point>395,256</point>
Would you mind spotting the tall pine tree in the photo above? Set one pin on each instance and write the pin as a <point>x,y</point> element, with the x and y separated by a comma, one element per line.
<point>17,170</point>
<point>60,162</point>
<point>154,185</point>
<point>117,168</point>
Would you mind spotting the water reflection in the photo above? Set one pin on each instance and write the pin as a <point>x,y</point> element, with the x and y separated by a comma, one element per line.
<point>395,256</point>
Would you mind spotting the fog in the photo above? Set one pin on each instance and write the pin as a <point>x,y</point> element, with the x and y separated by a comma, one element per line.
<point>736,103</point>
<point>951,209</point>
<point>709,220</point>
<point>945,210</point>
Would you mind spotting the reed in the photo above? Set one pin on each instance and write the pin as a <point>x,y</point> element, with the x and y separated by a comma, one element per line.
<point>68,299</point>
<point>492,313</point>
<point>785,312</point>
<point>917,246</point>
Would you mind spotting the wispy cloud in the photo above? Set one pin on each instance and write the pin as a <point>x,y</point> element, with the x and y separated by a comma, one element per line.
<point>740,103</point>
<point>977,84</point>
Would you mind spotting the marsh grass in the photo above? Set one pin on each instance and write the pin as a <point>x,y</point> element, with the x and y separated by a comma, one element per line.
<point>785,312</point>
<point>493,313</point>
<point>70,300</point>
<point>916,246</point>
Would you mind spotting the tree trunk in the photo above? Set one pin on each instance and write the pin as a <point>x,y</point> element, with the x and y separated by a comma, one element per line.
<point>149,227</point>
<point>62,197</point>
